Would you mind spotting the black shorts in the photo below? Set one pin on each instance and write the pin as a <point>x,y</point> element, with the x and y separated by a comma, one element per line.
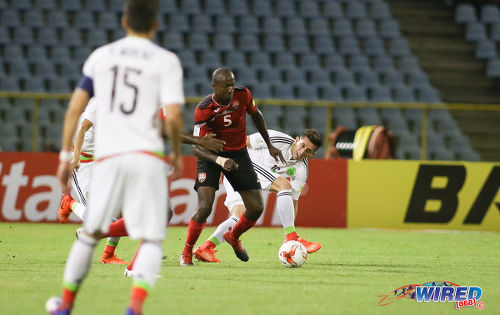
<point>244,178</point>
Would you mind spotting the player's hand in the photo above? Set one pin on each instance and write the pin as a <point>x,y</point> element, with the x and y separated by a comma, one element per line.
<point>276,153</point>
<point>76,164</point>
<point>177,164</point>
<point>63,175</point>
<point>210,143</point>
<point>230,165</point>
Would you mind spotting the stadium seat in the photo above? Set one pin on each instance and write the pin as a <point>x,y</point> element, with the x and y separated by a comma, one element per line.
<point>36,54</point>
<point>81,54</point>
<point>344,77</point>
<point>358,63</point>
<point>60,54</point>
<point>19,68</point>
<point>71,37</point>
<point>428,95</point>
<point>391,77</point>
<point>260,60</point>
<point>11,84</point>
<point>330,92</point>
<point>309,61</point>
<point>261,8</point>
<point>56,19</point>
<point>334,62</point>
<point>272,25</point>
<point>399,47</point>
<point>225,24</point>
<point>10,18</point>
<point>4,36</point>
<point>248,43</point>
<point>201,24</point>
<point>486,49</point>
<point>270,75</point>
<point>380,11</point>
<point>168,6</point>
<point>465,13</point>
<point>174,41</point>
<point>323,44</point>
<point>355,93</point>
<point>380,93</point>
<point>13,52</point>
<point>374,46</point>
<point>96,37</point>
<point>34,19</point>
<point>493,68</point>
<point>318,26</point>
<point>223,42</point>
<point>403,94</point>
<point>248,24</point>
<point>475,31</point>
<point>368,78</point>
<point>178,23</point>
<point>9,144</point>
<point>198,75</point>
<point>294,76</point>
<point>191,7</point>
<point>306,92</point>
<point>284,61</point>
<point>84,20</point>
<point>198,41</point>
<point>417,77</point>
<point>490,14</point>
<point>408,64</point>
<point>344,116</point>
<point>298,44</point>
<point>285,9</point>
<point>34,84</point>
<point>468,154</point>
<point>495,33</point>
<point>295,26</point>
<point>355,10</point>
<point>342,28</point>
<point>214,7</point>
<point>235,59</point>
<point>332,10</point>
<point>365,28</point>
<point>59,85</point>
<point>283,91</point>
<point>261,90</point>
<point>369,116</point>
<point>238,8</point>
<point>23,36</point>
<point>308,9</point>
<point>389,29</point>
<point>95,6</point>
<point>349,46</point>
<point>274,44</point>
<point>71,6</point>
<point>246,76</point>
<point>318,76</point>
<point>108,21</point>
<point>383,63</point>
<point>44,5</point>
<point>210,59</point>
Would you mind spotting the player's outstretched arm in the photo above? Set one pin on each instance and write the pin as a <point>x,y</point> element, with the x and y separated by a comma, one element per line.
<point>209,142</point>
<point>226,163</point>
<point>260,124</point>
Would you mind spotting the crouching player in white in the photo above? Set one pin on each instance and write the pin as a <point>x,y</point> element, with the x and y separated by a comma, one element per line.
<point>273,177</point>
<point>131,78</point>
<point>83,163</point>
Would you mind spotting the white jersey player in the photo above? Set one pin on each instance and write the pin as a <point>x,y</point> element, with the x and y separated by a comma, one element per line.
<point>286,179</point>
<point>131,79</point>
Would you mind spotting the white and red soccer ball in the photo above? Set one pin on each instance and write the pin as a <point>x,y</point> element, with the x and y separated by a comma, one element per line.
<point>292,254</point>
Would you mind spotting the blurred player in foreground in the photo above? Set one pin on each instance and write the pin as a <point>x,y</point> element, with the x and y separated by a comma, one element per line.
<point>131,78</point>
<point>272,176</point>
<point>224,113</point>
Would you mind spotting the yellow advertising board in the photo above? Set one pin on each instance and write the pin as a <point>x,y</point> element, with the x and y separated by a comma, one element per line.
<point>423,195</point>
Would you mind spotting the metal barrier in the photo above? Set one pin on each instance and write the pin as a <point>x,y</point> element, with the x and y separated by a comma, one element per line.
<point>286,102</point>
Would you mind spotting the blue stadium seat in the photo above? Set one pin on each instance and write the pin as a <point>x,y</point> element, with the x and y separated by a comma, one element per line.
<point>493,68</point>
<point>81,54</point>
<point>475,31</point>
<point>408,64</point>
<point>33,19</point>
<point>116,6</point>
<point>272,25</point>
<point>344,116</point>
<point>210,59</point>
<point>71,6</point>
<point>486,49</point>
<point>10,18</point>
<point>168,6</point>
<point>71,70</point>
<point>495,33</point>
<point>306,92</point>
<point>358,63</point>
<point>36,53</point>
<point>178,23</point>
<point>294,76</point>
<point>490,14</point>
<point>380,11</point>
<point>108,21</point>
<point>246,76</point>
<point>214,7</point>
<point>201,24</point>
<point>403,94</point>
<point>235,59</point>
<point>399,47</point>
<point>191,7</point>
<point>382,62</point>
<point>238,8</point>
<point>272,115</point>
<point>260,60</point>
<point>23,36</point>
<point>225,24</point>
<point>285,9</point>
<point>318,76</point>
<point>323,44</point>
<point>173,41</point>
<point>295,26</point>
<point>389,29</point>
<point>468,154</point>
<point>71,37</point>
<point>60,54</point>
<point>308,9</point>
<point>198,41</point>
<point>270,75</point>
<point>369,116</point>
<point>355,10</point>
<point>13,52</point>
<point>283,91</point>
<point>248,43</point>
<point>9,83</point>
<point>190,89</point>
<point>4,36</point>
<point>349,46</point>
<point>223,42</point>
<point>334,62</point>
<point>330,92</point>
<point>261,8</point>
<point>465,13</point>
<point>95,6</point>
<point>368,77</point>
<point>284,61</point>
<point>248,24</point>
<point>45,69</point>
<point>57,18</point>
<point>97,37</point>
<point>428,94</point>
<point>332,10</point>
<point>261,90</point>
<point>44,5</point>
<point>417,78</point>
<point>380,93</point>
<point>298,44</point>
<point>309,61</point>
<point>391,77</point>
<point>84,20</point>
<point>34,84</point>
<point>374,46</point>
<point>344,77</point>
<point>355,93</point>
<point>19,68</point>
<point>318,26</point>
<point>274,44</point>
<point>342,28</point>
<point>199,75</point>
<point>365,28</point>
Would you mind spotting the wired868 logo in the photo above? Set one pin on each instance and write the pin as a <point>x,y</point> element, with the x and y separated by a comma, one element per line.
<point>437,291</point>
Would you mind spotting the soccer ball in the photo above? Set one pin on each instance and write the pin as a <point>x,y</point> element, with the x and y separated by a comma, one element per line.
<point>52,304</point>
<point>292,254</point>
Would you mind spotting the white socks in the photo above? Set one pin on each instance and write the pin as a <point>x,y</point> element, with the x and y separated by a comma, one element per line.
<point>79,210</point>
<point>218,236</point>
<point>79,259</point>
<point>148,262</point>
<point>285,207</point>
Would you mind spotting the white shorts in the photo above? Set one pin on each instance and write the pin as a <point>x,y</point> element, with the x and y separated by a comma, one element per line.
<point>81,182</point>
<point>136,185</point>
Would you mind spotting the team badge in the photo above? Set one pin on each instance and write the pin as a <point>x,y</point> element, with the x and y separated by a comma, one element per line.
<point>291,171</point>
<point>202,176</point>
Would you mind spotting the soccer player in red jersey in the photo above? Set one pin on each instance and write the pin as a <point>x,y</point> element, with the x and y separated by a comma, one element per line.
<point>223,113</point>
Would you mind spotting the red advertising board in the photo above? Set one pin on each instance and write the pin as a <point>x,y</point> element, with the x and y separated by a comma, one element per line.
<point>29,192</point>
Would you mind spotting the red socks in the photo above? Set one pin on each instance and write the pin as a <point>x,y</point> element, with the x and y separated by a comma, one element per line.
<point>117,229</point>
<point>194,231</point>
<point>68,297</point>
<point>137,298</point>
<point>292,236</point>
<point>242,226</point>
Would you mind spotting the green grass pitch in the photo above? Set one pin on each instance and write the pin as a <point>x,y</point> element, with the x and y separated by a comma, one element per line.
<point>346,276</point>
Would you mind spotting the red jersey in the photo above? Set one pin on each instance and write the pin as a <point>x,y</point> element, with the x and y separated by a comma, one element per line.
<point>227,122</point>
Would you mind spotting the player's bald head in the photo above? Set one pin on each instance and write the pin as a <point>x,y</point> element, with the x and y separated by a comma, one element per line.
<point>222,75</point>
